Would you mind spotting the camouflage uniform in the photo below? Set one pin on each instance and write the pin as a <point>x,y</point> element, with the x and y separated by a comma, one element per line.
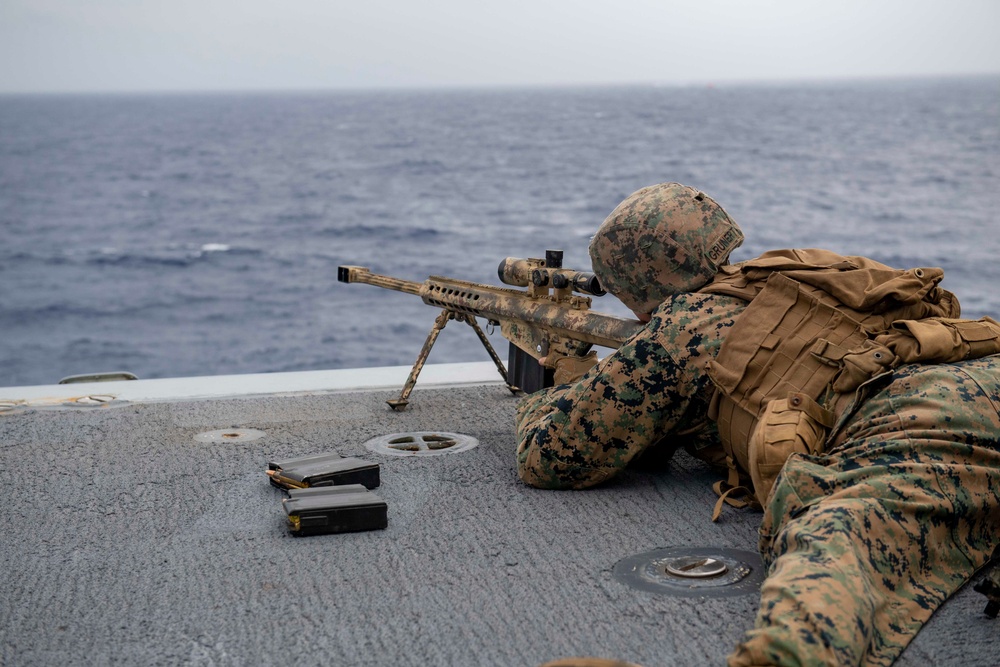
<point>643,392</point>
<point>866,541</point>
<point>578,435</point>
<point>862,542</point>
<point>888,524</point>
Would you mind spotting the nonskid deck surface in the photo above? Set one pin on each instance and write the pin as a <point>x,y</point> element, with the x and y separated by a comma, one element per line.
<point>130,537</point>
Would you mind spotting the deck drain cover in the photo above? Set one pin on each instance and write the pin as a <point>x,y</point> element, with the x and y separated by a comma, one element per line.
<point>421,443</point>
<point>92,401</point>
<point>693,571</point>
<point>230,435</point>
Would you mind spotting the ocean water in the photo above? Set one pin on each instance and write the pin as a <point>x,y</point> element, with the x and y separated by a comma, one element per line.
<point>186,235</point>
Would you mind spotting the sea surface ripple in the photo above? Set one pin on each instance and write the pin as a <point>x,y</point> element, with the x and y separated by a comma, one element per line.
<point>186,235</point>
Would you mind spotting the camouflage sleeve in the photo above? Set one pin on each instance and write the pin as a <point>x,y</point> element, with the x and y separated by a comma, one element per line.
<point>578,435</point>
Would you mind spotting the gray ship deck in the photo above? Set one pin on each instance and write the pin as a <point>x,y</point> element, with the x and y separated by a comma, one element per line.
<point>128,541</point>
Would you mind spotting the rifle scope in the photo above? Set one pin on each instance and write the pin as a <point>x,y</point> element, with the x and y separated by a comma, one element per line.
<point>542,273</point>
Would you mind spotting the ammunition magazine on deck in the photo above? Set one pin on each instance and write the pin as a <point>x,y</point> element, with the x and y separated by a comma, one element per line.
<point>334,509</point>
<point>328,493</point>
<point>322,470</point>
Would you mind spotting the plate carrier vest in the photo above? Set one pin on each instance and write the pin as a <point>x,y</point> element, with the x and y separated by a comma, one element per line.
<point>818,326</point>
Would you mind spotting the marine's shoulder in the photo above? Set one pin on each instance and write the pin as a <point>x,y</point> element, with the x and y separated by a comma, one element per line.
<point>695,306</point>
<point>695,322</point>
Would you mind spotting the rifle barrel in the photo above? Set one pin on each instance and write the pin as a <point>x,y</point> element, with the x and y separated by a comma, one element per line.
<point>361,274</point>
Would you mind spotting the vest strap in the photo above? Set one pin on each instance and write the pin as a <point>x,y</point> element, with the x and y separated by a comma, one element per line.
<point>732,492</point>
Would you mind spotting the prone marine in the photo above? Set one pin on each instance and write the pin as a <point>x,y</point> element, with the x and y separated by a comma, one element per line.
<point>845,398</point>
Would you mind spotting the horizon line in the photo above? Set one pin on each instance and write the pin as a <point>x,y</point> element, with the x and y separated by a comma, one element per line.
<point>507,87</point>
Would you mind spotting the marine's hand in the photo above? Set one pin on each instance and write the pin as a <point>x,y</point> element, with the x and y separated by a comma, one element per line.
<point>569,369</point>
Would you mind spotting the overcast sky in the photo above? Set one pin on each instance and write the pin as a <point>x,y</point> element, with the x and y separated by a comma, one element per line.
<point>168,45</point>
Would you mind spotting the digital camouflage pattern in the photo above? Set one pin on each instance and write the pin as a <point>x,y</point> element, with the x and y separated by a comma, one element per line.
<point>655,385</point>
<point>862,543</point>
<point>662,240</point>
<point>865,542</point>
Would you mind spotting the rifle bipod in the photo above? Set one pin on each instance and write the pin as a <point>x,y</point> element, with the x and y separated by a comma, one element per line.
<point>439,324</point>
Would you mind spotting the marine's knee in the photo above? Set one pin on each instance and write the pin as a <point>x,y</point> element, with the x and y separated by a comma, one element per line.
<point>537,470</point>
<point>545,469</point>
<point>529,473</point>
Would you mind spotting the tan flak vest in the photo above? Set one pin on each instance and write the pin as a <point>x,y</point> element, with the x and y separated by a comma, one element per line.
<point>817,327</point>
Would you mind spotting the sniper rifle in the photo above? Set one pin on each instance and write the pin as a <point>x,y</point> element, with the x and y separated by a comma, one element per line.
<point>549,320</point>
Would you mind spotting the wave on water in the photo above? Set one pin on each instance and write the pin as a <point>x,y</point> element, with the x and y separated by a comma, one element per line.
<point>380,233</point>
<point>185,255</point>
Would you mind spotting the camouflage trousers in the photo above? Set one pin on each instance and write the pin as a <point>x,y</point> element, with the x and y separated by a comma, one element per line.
<point>865,542</point>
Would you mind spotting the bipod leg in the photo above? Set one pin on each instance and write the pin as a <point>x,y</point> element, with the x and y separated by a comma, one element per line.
<point>471,321</point>
<point>439,324</point>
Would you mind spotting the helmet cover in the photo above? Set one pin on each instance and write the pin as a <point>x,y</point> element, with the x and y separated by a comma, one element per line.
<point>662,240</point>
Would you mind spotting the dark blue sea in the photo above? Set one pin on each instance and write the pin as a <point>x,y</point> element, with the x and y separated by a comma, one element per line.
<point>186,235</point>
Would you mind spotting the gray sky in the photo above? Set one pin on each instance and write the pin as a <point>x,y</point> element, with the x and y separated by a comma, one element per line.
<point>166,45</point>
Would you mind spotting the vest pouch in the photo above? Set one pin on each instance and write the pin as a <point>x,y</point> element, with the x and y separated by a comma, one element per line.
<point>942,340</point>
<point>793,425</point>
<point>863,364</point>
<point>873,293</point>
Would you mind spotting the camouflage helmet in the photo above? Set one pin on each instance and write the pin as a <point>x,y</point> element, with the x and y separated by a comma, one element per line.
<point>662,240</point>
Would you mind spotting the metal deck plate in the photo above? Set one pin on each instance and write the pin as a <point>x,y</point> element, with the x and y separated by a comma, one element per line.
<point>693,571</point>
<point>421,443</point>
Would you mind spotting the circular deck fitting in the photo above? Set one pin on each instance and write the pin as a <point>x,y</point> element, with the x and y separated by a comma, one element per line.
<point>696,567</point>
<point>91,401</point>
<point>421,443</point>
<point>693,571</point>
<point>230,435</point>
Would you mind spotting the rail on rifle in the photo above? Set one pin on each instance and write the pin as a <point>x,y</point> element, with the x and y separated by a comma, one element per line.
<point>550,319</point>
